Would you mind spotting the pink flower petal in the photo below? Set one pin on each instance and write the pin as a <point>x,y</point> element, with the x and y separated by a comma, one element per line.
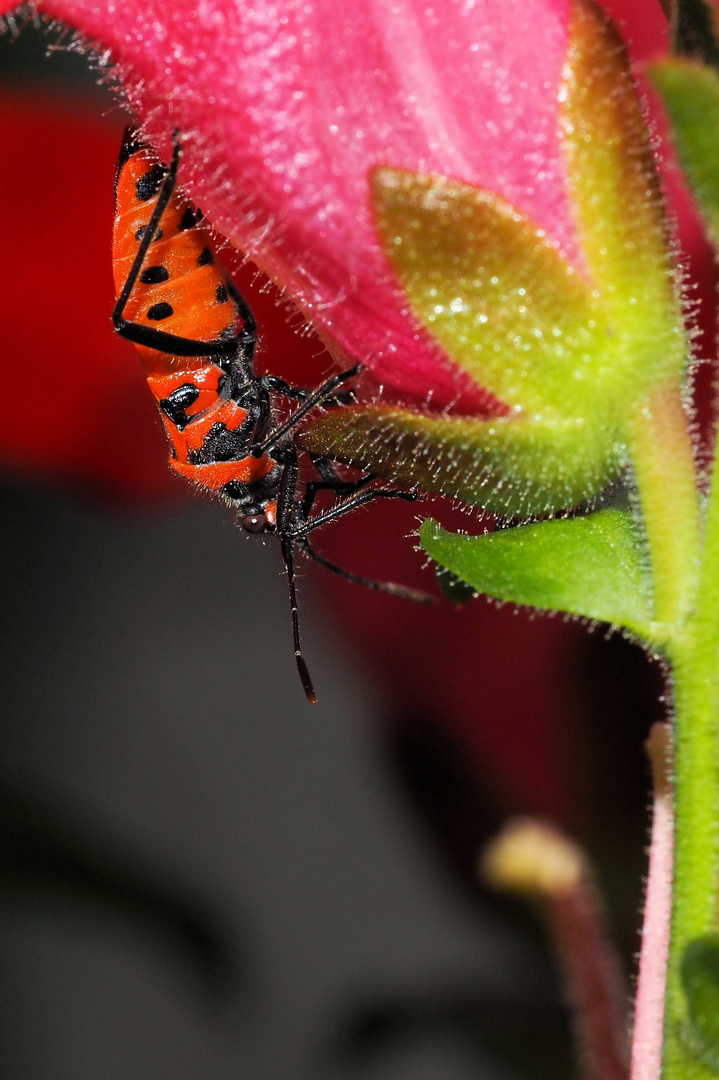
<point>287,105</point>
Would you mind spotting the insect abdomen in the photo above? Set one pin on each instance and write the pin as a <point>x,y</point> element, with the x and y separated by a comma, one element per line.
<point>181,289</point>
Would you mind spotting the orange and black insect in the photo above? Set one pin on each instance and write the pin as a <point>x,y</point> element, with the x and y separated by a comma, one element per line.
<point>197,336</point>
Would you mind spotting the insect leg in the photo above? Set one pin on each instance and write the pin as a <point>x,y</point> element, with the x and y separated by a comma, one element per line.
<point>390,587</point>
<point>314,487</point>
<point>356,496</point>
<point>345,505</point>
<point>298,393</point>
<point>321,394</point>
<point>286,507</point>
<point>281,386</point>
<point>249,329</point>
<point>172,345</point>
<point>342,488</point>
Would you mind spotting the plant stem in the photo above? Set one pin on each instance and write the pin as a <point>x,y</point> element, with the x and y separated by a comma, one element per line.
<point>696,794</point>
<point>663,460</point>
<point>647,1036</point>
<point>687,603</point>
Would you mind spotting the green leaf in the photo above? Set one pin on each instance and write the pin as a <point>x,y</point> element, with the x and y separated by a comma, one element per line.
<point>691,96</point>
<point>700,979</point>
<point>593,566</point>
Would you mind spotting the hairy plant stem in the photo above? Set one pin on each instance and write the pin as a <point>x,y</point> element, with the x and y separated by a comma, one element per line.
<point>647,1035</point>
<point>686,582</point>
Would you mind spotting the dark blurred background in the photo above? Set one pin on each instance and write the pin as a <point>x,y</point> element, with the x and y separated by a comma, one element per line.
<point>200,875</point>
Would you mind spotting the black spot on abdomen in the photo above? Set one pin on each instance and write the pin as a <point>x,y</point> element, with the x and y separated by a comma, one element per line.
<point>223,445</point>
<point>154,275</point>
<point>190,218</point>
<point>205,258</point>
<point>149,183</point>
<point>160,311</point>
<point>176,404</point>
<point>221,294</point>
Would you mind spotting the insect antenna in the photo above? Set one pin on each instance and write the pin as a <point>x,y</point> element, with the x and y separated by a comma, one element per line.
<point>302,668</point>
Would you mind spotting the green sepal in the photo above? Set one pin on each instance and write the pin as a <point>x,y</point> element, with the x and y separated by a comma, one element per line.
<point>618,207</point>
<point>494,291</point>
<point>700,979</point>
<point>508,466</point>
<point>547,335</point>
<point>690,93</point>
<point>592,566</point>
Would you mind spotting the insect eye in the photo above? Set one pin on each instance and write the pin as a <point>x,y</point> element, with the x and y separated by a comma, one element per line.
<point>254,523</point>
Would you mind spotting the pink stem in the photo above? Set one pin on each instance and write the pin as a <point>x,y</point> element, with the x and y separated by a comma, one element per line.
<point>649,1007</point>
<point>593,981</point>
